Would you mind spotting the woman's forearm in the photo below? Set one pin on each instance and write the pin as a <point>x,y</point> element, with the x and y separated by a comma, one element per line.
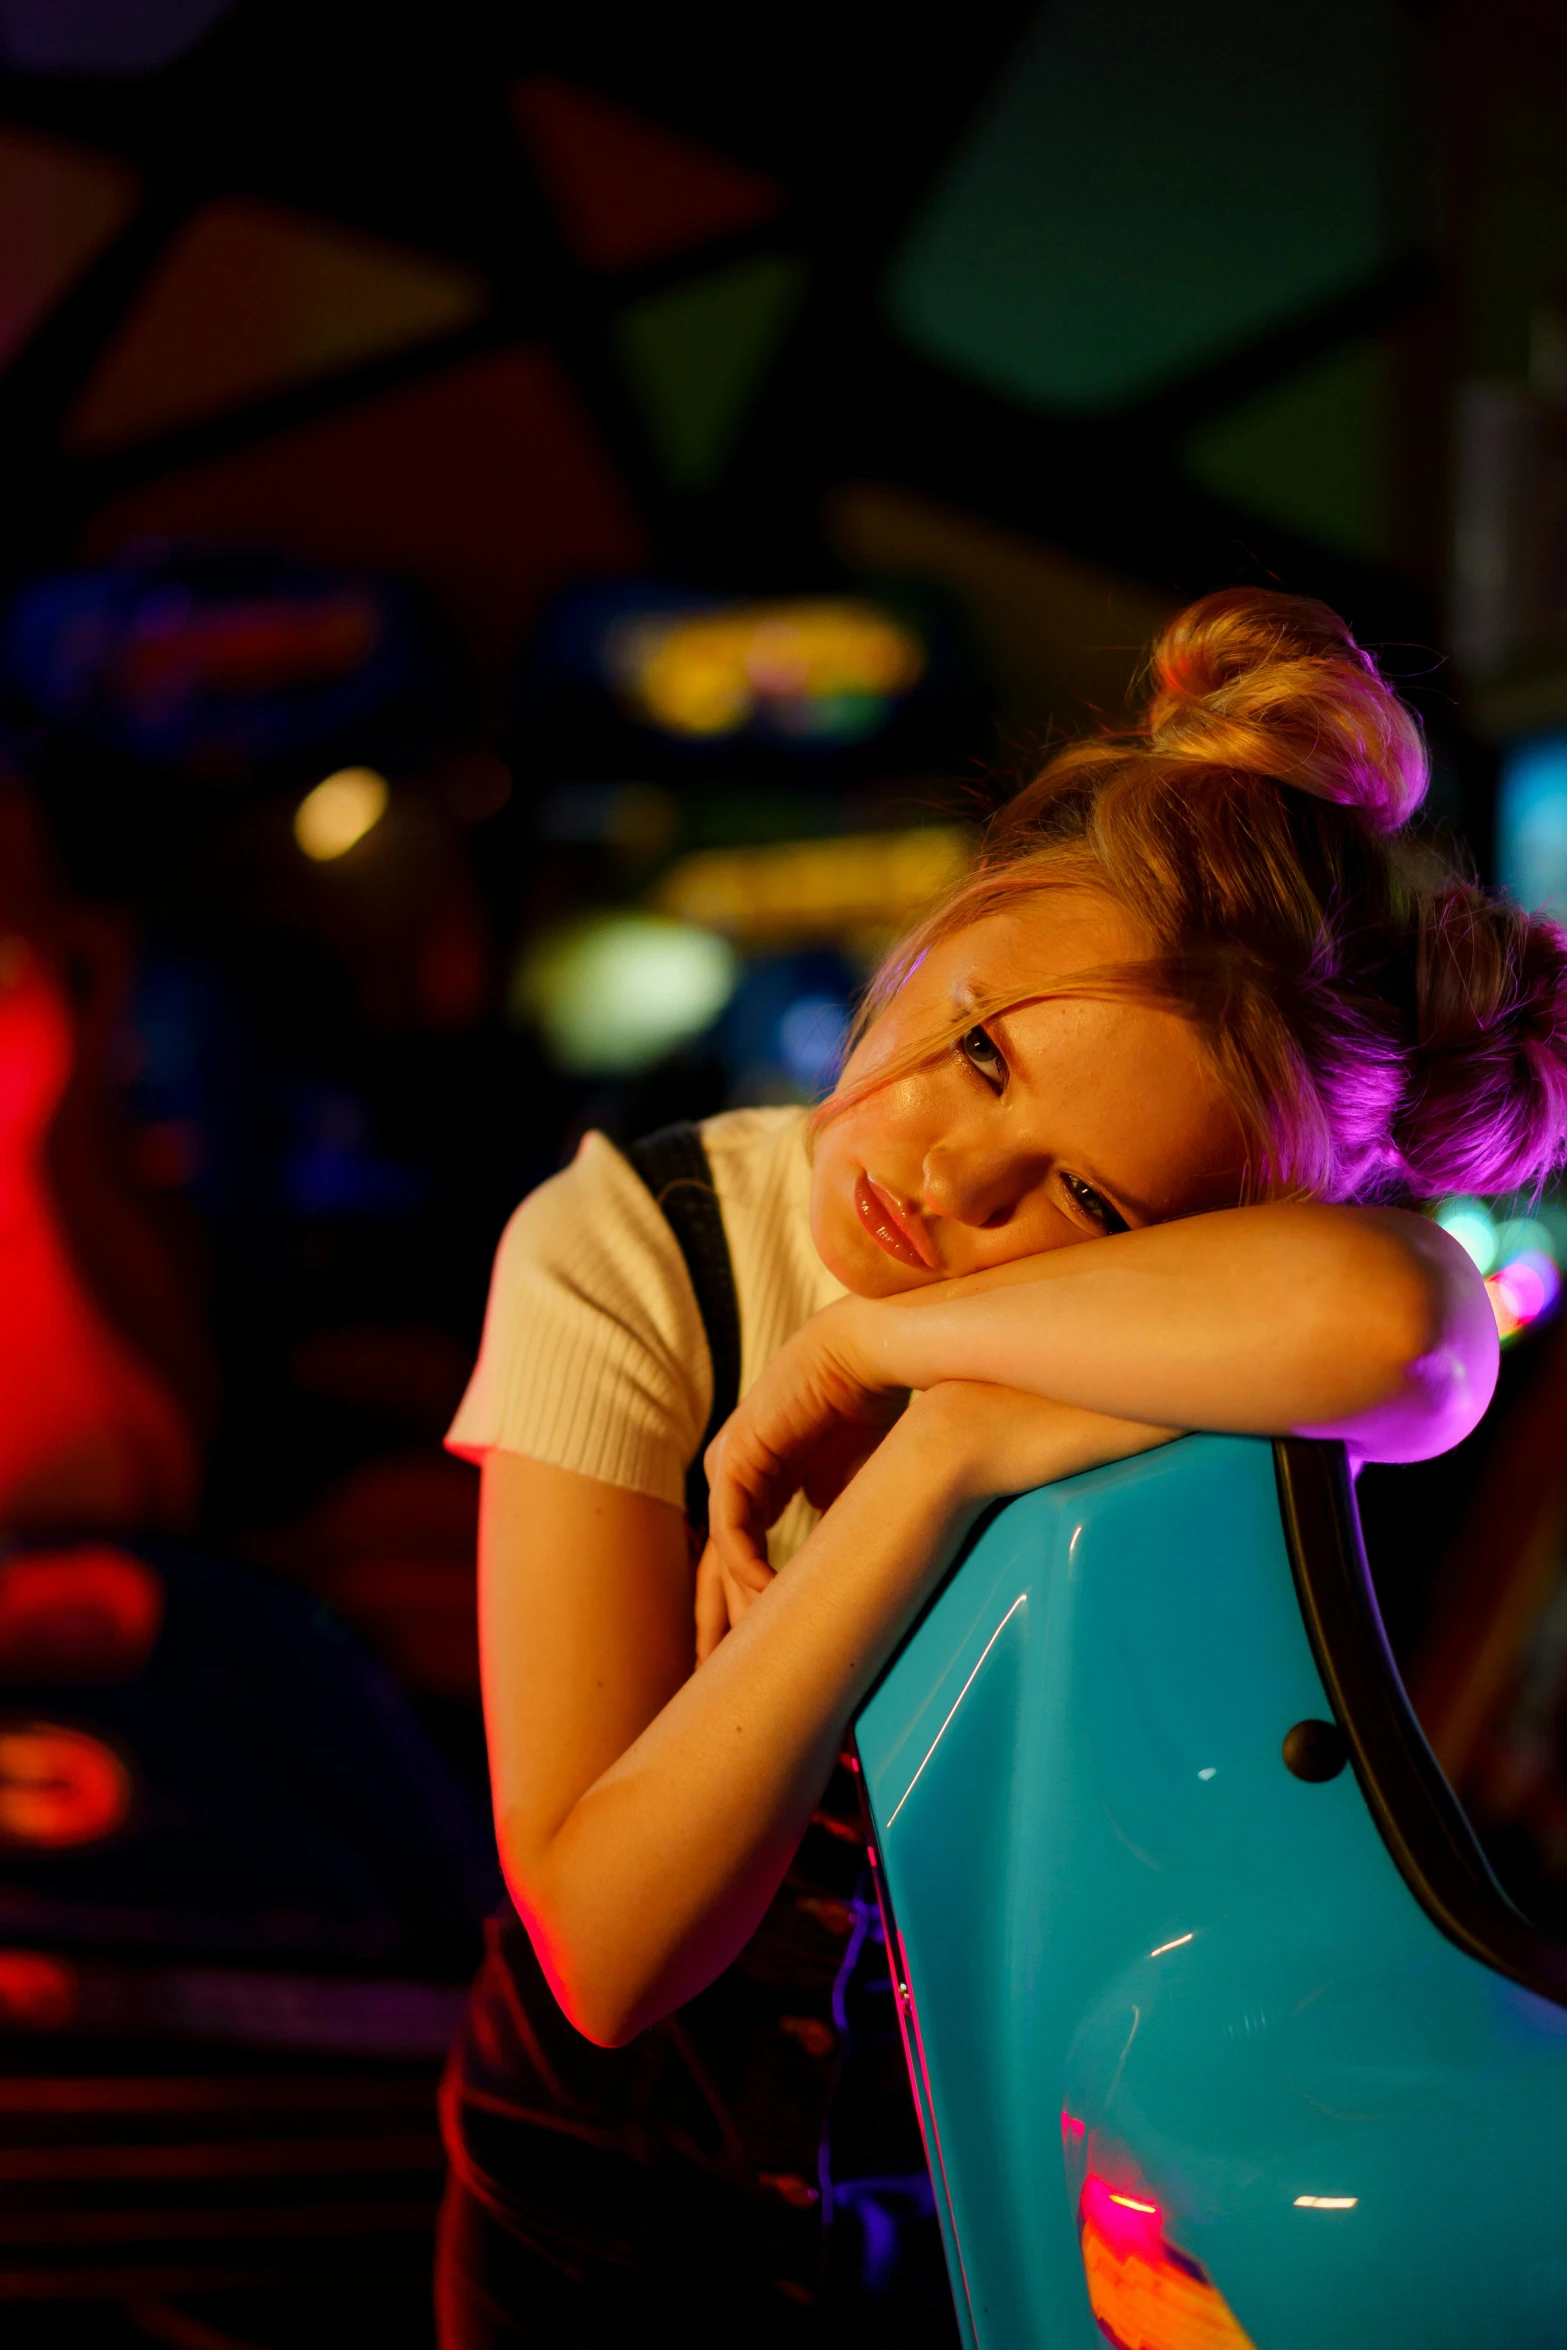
<point>662,1868</point>
<point>1361,1323</point>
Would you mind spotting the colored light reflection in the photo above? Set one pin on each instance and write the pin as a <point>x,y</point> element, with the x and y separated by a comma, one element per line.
<point>1145,2293</point>
<point>827,671</point>
<point>339,812</point>
<point>1326,2202</point>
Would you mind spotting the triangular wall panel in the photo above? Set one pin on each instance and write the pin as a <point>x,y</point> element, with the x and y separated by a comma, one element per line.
<point>626,190</point>
<point>1150,189</point>
<point>1310,452</point>
<point>483,481</point>
<point>250,300</point>
<point>59,207</point>
<point>697,357</point>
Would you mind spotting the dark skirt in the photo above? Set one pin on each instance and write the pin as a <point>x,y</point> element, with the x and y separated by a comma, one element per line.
<point>748,2172</point>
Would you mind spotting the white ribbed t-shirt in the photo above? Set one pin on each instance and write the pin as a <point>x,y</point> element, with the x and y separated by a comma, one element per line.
<point>594,1357</point>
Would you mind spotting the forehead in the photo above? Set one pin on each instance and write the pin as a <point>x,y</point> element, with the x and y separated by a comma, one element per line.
<point>1119,1089</point>
<point>1064,925</point>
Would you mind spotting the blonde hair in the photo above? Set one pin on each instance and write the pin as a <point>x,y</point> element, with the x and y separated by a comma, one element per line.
<point>1382,1027</point>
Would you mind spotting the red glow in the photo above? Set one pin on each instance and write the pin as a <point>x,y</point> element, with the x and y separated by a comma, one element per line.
<point>87,1432</point>
<point>59,1787</point>
<point>1145,2293</point>
<point>1128,2224</point>
<point>36,1991</point>
<point>249,648</point>
<point>1071,2127</point>
<point>87,1614</point>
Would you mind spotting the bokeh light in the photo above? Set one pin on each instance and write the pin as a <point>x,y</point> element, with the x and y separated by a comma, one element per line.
<point>58,1786</point>
<point>816,889</point>
<point>812,1036</point>
<point>616,992</point>
<point>1519,1256</point>
<point>827,670</point>
<point>339,812</point>
<point>1531,824</point>
<point>1469,1222</point>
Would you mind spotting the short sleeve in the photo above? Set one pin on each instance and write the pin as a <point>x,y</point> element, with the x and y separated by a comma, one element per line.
<point>593,1356</point>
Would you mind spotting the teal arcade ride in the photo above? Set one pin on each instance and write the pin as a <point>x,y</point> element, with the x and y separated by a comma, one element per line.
<point>1221,2031</point>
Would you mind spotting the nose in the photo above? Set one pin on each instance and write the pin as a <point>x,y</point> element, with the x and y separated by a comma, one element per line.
<point>972,1185</point>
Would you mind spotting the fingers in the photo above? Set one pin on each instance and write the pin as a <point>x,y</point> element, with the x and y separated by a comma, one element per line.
<point>743,1498</point>
<point>723,1594</point>
<point>712,1608</point>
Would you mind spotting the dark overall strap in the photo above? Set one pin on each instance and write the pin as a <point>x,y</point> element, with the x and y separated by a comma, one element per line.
<point>674,1166</point>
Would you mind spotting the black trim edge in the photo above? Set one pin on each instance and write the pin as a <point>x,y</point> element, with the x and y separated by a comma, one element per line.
<point>1417,1814</point>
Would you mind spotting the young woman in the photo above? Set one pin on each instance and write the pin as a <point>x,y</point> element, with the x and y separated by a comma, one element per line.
<point>1128,1144</point>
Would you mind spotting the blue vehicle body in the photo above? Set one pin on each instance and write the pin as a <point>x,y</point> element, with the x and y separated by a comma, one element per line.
<point>1207,2053</point>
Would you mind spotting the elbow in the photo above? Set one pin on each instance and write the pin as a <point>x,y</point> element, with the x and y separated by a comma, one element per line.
<point>577,1966</point>
<point>591,2003</point>
<point>1435,1345</point>
<point>591,2009</point>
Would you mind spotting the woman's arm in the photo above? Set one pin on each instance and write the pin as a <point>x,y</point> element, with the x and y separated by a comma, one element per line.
<point>1368,1324</point>
<point>1361,1323</point>
<point>646,1814</point>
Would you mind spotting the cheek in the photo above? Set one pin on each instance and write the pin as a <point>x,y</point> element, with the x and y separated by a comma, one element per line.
<point>842,1149</point>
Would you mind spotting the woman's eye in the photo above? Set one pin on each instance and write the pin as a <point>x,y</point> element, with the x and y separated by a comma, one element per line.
<point>1093,1203</point>
<point>982,1052</point>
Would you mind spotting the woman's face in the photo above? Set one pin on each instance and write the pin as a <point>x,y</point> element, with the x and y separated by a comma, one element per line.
<point>1054,1123</point>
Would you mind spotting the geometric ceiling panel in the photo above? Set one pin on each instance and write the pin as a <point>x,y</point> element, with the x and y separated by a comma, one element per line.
<point>697,355</point>
<point>626,190</point>
<point>1063,638</point>
<point>484,482</point>
<point>59,207</point>
<point>250,300</point>
<point>1152,188</point>
<point>1311,452</point>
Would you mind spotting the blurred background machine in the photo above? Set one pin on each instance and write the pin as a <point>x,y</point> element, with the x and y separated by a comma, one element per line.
<point>530,549</point>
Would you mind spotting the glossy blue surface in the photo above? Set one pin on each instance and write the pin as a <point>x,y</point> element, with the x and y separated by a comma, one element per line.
<point>1116,1903</point>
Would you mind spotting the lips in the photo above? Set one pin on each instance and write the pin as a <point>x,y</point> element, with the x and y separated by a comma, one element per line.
<point>894,1231</point>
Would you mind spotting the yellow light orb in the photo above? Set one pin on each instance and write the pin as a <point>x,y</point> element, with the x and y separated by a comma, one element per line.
<point>339,812</point>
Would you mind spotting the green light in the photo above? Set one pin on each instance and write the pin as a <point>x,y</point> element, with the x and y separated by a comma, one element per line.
<point>1524,1235</point>
<point>1470,1225</point>
<point>613,993</point>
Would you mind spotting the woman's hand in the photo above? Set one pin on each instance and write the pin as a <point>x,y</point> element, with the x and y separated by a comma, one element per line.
<point>809,1423</point>
<point>998,1441</point>
<point>723,1593</point>
<point>814,1418</point>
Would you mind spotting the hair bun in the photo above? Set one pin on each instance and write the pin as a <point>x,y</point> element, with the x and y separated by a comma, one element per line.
<point>1265,684</point>
<point>1485,1108</point>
